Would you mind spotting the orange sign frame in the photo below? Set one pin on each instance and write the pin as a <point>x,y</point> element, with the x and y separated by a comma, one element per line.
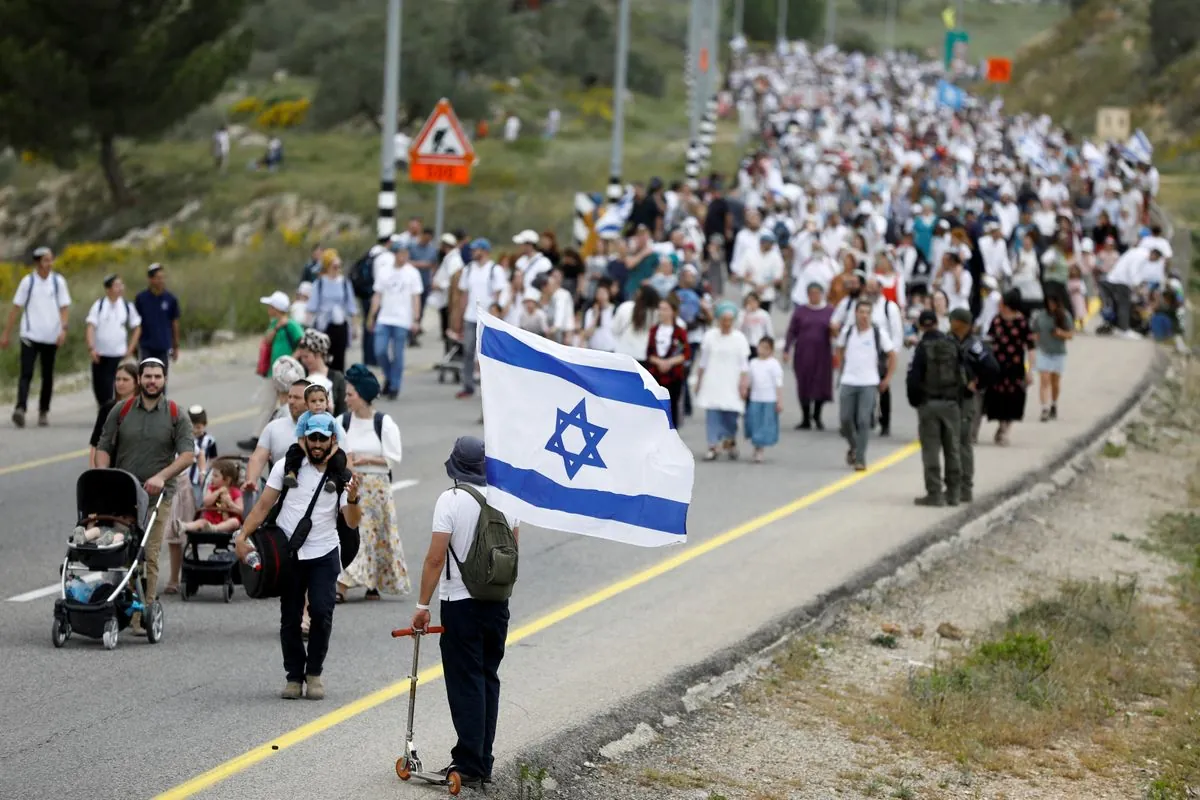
<point>454,169</point>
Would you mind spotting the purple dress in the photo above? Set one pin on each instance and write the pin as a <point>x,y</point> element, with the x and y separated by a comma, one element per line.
<point>812,356</point>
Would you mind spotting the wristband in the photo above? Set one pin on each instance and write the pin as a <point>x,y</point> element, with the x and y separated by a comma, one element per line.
<point>422,607</point>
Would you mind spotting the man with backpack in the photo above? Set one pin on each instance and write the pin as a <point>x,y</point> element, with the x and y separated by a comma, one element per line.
<point>113,330</point>
<point>472,562</point>
<point>982,370</point>
<point>935,389</point>
<point>866,356</point>
<point>43,303</point>
<point>149,437</point>
<point>376,261</point>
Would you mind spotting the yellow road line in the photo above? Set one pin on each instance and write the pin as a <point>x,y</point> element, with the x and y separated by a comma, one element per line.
<point>336,717</point>
<point>74,454</point>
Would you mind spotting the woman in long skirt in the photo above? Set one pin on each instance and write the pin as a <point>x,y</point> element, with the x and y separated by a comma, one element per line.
<point>1011,338</point>
<point>379,565</point>
<point>807,346</point>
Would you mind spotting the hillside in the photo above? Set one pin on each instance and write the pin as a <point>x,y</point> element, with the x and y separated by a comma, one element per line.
<point>1106,54</point>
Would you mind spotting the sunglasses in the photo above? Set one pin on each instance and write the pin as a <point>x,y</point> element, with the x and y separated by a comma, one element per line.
<point>317,438</point>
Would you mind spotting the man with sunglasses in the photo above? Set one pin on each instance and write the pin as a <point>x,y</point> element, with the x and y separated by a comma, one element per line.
<point>318,563</point>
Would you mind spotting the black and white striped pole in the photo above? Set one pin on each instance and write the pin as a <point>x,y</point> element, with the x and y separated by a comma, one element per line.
<point>386,224</point>
<point>618,131</point>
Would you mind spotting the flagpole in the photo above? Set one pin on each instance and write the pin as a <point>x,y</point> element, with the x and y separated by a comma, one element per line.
<point>618,131</point>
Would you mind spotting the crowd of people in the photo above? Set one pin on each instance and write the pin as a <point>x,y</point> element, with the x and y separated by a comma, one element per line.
<point>872,220</point>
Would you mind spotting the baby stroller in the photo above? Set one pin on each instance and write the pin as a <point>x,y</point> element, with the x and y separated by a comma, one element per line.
<point>219,567</point>
<point>451,363</point>
<point>115,497</point>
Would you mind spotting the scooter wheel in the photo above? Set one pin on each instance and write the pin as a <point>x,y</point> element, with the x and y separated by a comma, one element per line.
<point>402,771</point>
<point>454,782</point>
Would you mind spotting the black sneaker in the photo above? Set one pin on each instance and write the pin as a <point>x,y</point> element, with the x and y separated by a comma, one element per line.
<point>468,781</point>
<point>806,425</point>
<point>248,444</point>
<point>290,481</point>
<point>18,417</point>
<point>1054,412</point>
<point>930,501</point>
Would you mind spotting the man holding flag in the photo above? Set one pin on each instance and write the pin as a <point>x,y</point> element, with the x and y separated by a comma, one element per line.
<point>580,441</point>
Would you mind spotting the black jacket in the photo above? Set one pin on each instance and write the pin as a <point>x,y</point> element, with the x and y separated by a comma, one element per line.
<point>979,363</point>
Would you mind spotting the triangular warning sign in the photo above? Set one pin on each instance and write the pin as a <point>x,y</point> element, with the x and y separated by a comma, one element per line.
<point>442,140</point>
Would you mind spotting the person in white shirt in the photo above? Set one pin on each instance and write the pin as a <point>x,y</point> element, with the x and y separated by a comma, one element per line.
<point>760,270</point>
<point>955,281</point>
<point>559,306</point>
<point>1125,276</point>
<point>395,312</point>
<point>317,562</point>
<point>1008,213</point>
<point>531,263</point>
<point>113,329</point>
<point>444,278</point>
<point>887,316</point>
<point>746,240</point>
<point>598,322</point>
<point>479,284</point>
<point>994,250</point>
<point>42,302</point>
<point>298,311</point>
<point>472,642</point>
<point>820,269</point>
<point>859,352</point>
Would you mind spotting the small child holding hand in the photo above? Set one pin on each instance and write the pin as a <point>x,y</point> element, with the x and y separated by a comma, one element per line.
<point>317,400</point>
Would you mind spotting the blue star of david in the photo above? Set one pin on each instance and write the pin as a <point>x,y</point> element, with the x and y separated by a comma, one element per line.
<point>592,434</point>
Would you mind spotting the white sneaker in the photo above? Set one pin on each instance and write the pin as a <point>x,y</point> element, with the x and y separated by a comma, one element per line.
<point>1131,335</point>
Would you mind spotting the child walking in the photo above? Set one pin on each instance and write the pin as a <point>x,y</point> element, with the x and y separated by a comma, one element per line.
<point>765,398</point>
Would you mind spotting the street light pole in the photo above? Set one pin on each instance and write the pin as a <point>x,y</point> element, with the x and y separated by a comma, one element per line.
<point>618,132</point>
<point>890,29</point>
<point>781,11</point>
<point>830,21</point>
<point>386,224</point>
<point>739,16</point>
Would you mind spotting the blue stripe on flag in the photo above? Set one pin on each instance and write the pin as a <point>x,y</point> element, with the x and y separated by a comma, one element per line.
<point>611,384</point>
<point>644,511</point>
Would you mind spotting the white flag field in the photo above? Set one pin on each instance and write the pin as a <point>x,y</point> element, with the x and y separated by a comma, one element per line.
<point>580,440</point>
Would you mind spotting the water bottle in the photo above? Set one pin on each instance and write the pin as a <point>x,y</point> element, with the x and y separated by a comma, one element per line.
<point>254,561</point>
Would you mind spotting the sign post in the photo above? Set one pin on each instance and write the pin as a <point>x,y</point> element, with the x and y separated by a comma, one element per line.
<point>441,154</point>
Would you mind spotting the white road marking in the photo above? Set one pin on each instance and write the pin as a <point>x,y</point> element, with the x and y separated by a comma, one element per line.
<point>46,591</point>
<point>94,577</point>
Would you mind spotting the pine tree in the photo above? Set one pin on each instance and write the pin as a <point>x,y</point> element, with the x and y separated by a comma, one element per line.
<point>1174,29</point>
<point>77,75</point>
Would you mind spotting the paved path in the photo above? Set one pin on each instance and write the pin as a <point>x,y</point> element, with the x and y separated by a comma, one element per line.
<point>593,622</point>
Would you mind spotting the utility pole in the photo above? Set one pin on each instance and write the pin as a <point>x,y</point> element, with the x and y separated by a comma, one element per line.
<point>618,132</point>
<point>890,29</point>
<point>386,224</point>
<point>739,16</point>
<point>781,11</point>
<point>696,90</point>
<point>830,21</point>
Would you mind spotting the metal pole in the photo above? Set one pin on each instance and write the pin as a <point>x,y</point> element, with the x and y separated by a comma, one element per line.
<point>694,45</point>
<point>386,224</point>
<point>739,15</point>
<point>781,11</point>
<point>618,132</point>
<point>890,29</point>
<point>439,219</point>
<point>830,21</point>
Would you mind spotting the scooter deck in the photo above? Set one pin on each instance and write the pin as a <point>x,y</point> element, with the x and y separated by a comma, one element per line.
<point>431,777</point>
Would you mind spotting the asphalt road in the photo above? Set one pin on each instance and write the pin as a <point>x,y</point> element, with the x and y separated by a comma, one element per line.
<point>592,622</point>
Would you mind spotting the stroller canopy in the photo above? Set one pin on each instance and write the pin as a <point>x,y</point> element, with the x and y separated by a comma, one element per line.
<point>114,492</point>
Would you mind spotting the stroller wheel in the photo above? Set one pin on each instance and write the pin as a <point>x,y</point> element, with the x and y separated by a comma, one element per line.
<point>110,634</point>
<point>154,622</point>
<point>454,782</point>
<point>402,770</point>
<point>59,633</point>
<point>227,592</point>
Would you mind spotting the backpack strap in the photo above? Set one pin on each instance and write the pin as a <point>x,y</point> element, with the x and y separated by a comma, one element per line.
<point>128,316</point>
<point>471,490</point>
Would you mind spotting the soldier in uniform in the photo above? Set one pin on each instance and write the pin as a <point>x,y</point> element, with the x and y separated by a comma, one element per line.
<point>935,386</point>
<point>980,369</point>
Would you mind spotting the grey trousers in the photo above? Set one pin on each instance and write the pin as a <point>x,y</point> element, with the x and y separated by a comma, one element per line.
<point>969,413</point>
<point>939,427</point>
<point>856,405</point>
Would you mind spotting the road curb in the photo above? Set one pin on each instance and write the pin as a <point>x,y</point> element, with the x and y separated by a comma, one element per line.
<point>570,754</point>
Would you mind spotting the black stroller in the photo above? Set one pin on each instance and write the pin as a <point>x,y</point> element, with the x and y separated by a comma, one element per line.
<point>219,567</point>
<point>115,498</point>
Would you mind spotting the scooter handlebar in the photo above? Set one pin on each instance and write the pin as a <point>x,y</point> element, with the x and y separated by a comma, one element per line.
<point>401,632</point>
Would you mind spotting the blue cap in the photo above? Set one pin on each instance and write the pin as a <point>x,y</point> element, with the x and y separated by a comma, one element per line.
<point>319,423</point>
<point>481,244</point>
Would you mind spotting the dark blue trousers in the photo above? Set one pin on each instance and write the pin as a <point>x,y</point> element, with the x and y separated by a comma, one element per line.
<point>472,648</point>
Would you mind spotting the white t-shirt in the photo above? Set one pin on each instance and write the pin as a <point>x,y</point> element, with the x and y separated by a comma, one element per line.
<point>532,266</point>
<point>481,282</point>
<point>860,363</point>
<point>766,376</point>
<point>961,298</point>
<point>457,513</point>
<point>396,288</point>
<point>321,379</point>
<point>40,300</point>
<point>113,322</point>
<point>277,436</point>
<point>323,537</point>
<point>602,338</point>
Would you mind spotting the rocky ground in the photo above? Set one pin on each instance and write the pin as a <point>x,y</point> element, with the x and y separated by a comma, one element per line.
<point>868,706</point>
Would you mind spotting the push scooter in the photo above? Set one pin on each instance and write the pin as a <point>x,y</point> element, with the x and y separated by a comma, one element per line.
<point>409,765</point>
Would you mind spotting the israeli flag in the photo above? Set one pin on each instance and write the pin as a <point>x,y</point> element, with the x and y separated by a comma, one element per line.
<point>1138,148</point>
<point>580,440</point>
<point>613,220</point>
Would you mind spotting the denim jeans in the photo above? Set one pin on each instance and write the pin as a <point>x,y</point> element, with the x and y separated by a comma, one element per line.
<point>368,338</point>
<point>316,578</point>
<point>472,648</point>
<point>389,340</point>
<point>720,426</point>
<point>857,405</point>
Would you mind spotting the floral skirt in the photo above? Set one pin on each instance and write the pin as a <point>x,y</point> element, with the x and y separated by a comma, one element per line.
<point>380,563</point>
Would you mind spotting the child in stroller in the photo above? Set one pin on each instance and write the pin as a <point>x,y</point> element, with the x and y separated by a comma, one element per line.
<point>214,526</point>
<point>222,509</point>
